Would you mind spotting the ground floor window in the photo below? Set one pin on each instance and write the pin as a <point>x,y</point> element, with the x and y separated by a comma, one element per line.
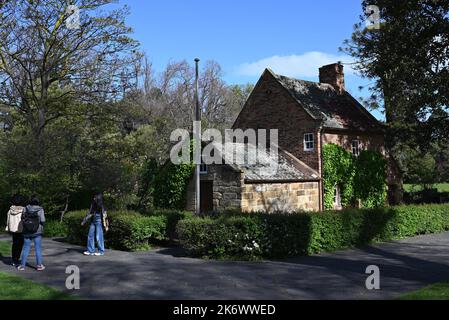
<point>337,197</point>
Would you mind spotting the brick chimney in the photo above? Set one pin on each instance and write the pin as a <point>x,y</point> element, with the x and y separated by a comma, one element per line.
<point>333,74</point>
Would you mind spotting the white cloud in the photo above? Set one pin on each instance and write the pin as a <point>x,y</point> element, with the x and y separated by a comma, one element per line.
<point>304,65</point>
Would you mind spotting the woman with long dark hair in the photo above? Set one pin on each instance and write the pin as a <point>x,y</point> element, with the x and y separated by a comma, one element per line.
<point>98,220</point>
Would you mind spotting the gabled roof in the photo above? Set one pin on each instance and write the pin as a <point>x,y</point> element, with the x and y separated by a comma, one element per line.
<point>322,102</point>
<point>266,167</point>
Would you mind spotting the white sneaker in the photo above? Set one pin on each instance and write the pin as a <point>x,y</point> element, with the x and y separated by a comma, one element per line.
<point>98,254</point>
<point>87,253</point>
<point>40,268</point>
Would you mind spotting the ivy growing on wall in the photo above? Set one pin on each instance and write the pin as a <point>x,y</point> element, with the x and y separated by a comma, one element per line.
<point>370,181</point>
<point>362,177</point>
<point>171,184</point>
<point>338,170</point>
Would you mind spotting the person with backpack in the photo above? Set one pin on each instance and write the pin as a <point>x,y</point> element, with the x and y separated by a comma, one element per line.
<point>14,227</point>
<point>97,217</point>
<point>33,220</point>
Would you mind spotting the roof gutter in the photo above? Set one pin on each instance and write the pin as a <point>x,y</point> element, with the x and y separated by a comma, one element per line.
<point>249,181</point>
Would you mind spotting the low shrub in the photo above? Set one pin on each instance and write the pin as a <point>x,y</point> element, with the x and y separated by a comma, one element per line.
<point>248,237</point>
<point>133,232</point>
<point>260,235</point>
<point>55,229</point>
<point>128,230</point>
<point>76,233</point>
<point>172,217</point>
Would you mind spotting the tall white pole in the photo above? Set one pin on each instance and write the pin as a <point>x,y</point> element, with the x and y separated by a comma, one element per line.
<point>197,142</point>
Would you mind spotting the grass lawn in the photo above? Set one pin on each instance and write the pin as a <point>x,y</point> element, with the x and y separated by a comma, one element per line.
<point>17,288</point>
<point>5,249</point>
<point>442,187</point>
<point>439,291</point>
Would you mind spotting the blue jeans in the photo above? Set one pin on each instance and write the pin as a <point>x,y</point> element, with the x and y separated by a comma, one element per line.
<point>37,239</point>
<point>95,232</point>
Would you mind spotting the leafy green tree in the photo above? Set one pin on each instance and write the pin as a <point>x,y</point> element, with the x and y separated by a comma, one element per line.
<point>45,58</point>
<point>407,58</point>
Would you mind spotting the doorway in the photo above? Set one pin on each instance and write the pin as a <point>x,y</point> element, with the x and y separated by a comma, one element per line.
<point>206,196</point>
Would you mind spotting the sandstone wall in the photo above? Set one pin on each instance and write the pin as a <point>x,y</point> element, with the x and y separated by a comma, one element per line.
<point>286,197</point>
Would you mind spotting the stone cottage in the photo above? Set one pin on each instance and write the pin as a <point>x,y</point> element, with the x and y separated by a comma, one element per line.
<point>307,116</point>
<point>272,183</point>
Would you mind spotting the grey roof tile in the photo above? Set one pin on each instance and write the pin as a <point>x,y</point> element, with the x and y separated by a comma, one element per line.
<point>322,102</point>
<point>264,166</point>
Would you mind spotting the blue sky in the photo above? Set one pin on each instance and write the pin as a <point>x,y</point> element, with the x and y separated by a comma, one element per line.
<point>293,37</point>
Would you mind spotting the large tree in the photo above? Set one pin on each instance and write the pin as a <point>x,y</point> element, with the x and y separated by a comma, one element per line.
<point>71,49</point>
<point>407,57</point>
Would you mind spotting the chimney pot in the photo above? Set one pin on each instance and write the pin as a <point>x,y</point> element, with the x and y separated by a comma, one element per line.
<point>333,74</point>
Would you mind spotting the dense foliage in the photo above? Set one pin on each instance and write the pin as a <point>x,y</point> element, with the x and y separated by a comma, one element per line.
<point>406,59</point>
<point>370,179</point>
<point>129,230</point>
<point>55,229</point>
<point>338,169</point>
<point>362,177</point>
<point>261,235</point>
<point>172,182</point>
<point>100,121</point>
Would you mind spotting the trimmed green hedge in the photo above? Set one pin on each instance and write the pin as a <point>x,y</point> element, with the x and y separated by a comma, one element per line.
<point>248,237</point>
<point>262,235</point>
<point>55,229</point>
<point>172,217</point>
<point>133,232</point>
<point>128,230</point>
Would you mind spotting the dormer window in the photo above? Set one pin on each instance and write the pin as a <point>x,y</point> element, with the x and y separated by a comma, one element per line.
<point>309,142</point>
<point>356,147</point>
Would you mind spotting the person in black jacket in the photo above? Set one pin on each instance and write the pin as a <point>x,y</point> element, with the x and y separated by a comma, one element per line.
<point>97,217</point>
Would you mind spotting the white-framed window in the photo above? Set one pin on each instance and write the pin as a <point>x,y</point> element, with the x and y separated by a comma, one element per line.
<point>337,196</point>
<point>203,168</point>
<point>309,142</point>
<point>356,147</point>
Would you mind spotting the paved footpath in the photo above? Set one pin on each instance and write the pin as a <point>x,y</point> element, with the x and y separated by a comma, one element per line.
<point>160,274</point>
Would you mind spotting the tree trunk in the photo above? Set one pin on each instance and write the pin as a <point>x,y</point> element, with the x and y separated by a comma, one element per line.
<point>65,208</point>
<point>395,179</point>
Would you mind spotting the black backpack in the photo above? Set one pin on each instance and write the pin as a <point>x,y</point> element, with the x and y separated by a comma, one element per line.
<point>31,221</point>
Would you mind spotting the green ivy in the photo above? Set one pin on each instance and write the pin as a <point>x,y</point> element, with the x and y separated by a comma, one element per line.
<point>361,178</point>
<point>171,186</point>
<point>171,183</point>
<point>369,182</point>
<point>338,169</point>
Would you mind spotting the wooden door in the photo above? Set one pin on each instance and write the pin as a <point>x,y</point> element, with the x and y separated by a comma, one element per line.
<point>206,196</point>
